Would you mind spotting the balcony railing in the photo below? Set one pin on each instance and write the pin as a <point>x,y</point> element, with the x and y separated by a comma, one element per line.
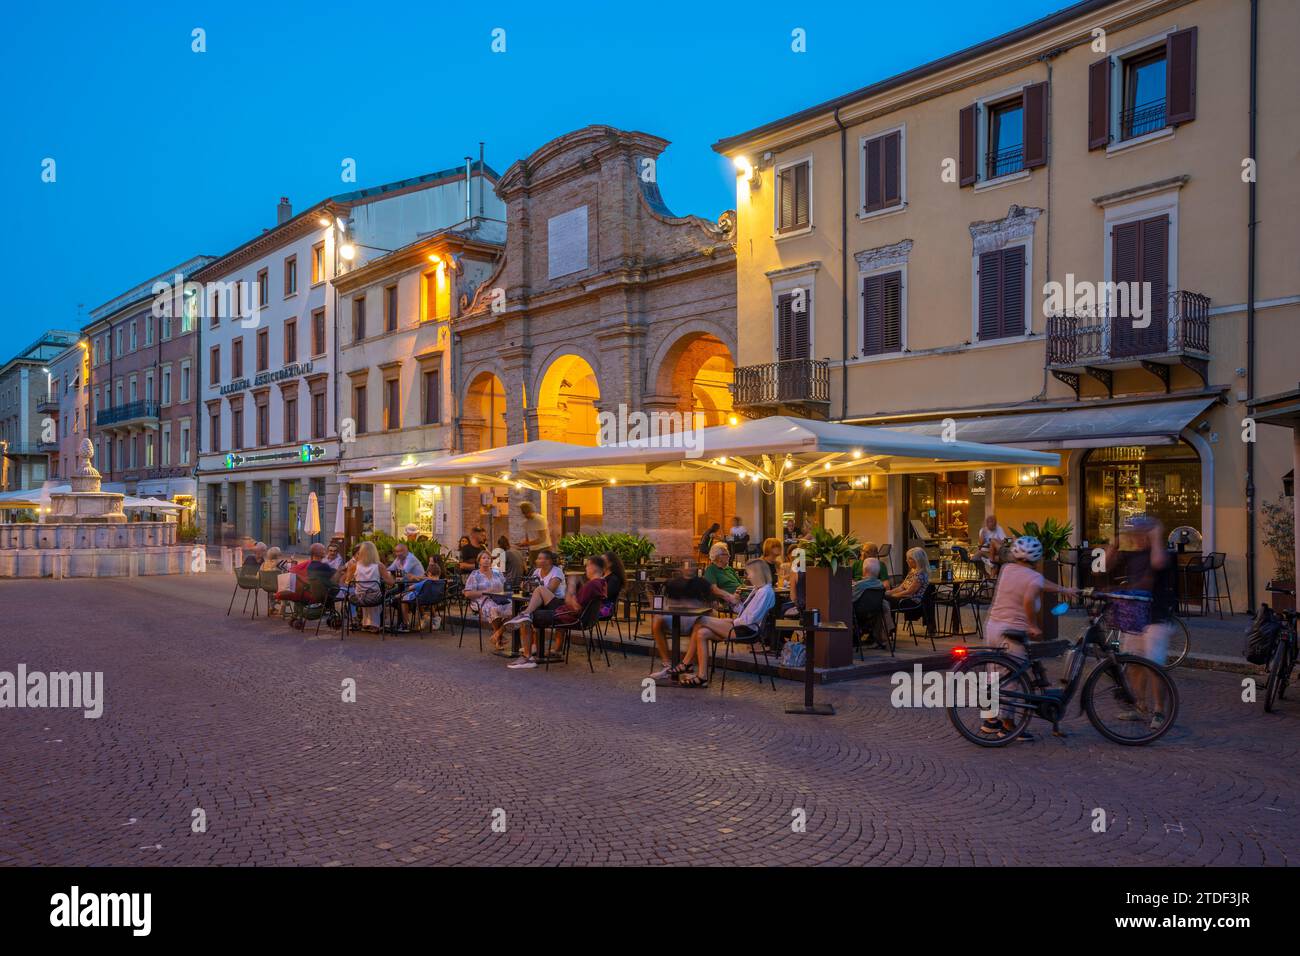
<point>15,449</point>
<point>1140,120</point>
<point>1096,342</point>
<point>792,382</point>
<point>46,405</point>
<point>1006,161</point>
<point>120,414</point>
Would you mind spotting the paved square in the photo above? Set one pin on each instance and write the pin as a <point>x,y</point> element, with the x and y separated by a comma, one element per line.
<point>245,720</point>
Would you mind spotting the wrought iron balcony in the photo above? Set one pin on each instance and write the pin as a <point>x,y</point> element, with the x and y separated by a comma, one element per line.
<point>1140,120</point>
<point>47,405</point>
<point>25,449</point>
<point>792,382</point>
<point>127,414</point>
<point>1097,344</point>
<point>1005,162</point>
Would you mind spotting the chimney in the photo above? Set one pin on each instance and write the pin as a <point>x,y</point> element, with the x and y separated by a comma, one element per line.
<point>283,212</point>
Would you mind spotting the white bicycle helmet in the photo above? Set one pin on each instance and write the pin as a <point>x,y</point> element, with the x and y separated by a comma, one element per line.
<point>1027,549</point>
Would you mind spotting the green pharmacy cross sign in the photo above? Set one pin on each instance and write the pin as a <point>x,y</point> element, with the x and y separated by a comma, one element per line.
<point>311,452</point>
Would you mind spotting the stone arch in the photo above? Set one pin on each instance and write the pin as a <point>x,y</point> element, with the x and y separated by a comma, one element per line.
<point>483,419</point>
<point>695,366</point>
<point>566,398</point>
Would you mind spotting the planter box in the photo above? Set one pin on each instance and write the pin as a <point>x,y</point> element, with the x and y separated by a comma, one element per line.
<point>832,594</point>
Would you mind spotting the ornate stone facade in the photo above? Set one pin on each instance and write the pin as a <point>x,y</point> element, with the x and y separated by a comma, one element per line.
<point>603,298</point>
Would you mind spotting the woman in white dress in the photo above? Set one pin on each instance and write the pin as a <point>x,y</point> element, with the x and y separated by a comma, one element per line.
<point>483,582</point>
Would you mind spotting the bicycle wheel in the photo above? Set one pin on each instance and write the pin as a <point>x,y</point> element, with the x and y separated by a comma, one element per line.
<point>1013,696</point>
<point>1278,669</point>
<point>1180,643</point>
<point>1130,701</point>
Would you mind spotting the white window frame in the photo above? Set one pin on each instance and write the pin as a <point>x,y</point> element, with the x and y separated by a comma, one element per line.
<point>803,279</point>
<point>901,130</point>
<point>165,389</point>
<point>165,445</point>
<point>1030,298</point>
<point>1116,86</point>
<point>982,139</point>
<point>187,376</point>
<point>185,431</point>
<point>863,275</point>
<point>777,169</point>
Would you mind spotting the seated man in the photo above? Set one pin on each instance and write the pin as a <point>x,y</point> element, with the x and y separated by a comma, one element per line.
<point>314,568</point>
<point>721,575</point>
<point>692,590</point>
<point>593,589</point>
<point>870,607</point>
<point>408,570</point>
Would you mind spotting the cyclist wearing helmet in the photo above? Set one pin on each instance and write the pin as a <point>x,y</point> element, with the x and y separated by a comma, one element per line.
<point>1015,608</point>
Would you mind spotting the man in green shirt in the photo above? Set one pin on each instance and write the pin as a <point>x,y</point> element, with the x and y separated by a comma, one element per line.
<point>721,575</point>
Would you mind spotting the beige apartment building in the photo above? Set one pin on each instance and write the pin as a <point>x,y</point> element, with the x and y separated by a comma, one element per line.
<point>1044,240</point>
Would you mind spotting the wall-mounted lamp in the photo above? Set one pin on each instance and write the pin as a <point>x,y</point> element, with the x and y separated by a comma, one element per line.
<point>746,170</point>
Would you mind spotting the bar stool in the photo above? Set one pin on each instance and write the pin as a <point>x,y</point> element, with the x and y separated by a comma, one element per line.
<point>1196,567</point>
<point>1218,563</point>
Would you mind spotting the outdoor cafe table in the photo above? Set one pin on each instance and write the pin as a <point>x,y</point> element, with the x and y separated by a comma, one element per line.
<point>677,612</point>
<point>810,630</point>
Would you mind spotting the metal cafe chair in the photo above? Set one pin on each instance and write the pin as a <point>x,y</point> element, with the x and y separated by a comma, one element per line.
<point>751,636</point>
<point>246,581</point>
<point>919,609</point>
<point>269,583</point>
<point>587,624</point>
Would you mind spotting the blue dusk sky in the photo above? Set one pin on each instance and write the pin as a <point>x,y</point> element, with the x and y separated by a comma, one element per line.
<point>162,153</point>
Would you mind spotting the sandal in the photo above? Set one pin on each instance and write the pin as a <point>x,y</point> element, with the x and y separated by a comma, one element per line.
<point>691,680</point>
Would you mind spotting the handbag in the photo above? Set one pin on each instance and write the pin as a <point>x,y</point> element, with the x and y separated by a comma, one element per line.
<point>794,654</point>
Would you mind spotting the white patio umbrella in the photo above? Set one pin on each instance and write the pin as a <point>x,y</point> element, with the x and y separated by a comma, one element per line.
<point>311,521</point>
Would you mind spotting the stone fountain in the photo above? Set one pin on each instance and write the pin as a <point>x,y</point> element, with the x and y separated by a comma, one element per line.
<point>86,534</point>
<point>85,503</point>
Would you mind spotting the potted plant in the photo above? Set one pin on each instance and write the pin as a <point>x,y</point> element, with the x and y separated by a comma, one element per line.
<point>828,586</point>
<point>1279,537</point>
<point>1054,536</point>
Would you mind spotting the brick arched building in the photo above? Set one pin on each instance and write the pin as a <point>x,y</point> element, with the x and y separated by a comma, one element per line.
<point>603,297</point>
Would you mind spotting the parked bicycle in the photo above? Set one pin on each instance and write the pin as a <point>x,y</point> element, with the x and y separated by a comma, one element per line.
<point>1129,699</point>
<point>1284,656</point>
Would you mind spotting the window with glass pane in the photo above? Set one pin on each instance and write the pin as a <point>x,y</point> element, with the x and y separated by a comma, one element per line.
<point>1006,138</point>
<point>1144,94</point>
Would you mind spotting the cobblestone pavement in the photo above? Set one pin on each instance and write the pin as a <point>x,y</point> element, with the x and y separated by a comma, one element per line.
<point>244,720</point>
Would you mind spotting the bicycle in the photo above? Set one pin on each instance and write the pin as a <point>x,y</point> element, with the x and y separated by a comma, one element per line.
<point>1284,656</point>
<point>1180,641</point>
<point>1114,695</point>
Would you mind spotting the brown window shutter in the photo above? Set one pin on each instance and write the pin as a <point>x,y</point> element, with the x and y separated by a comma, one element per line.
<point>1180,76</point>
<point>966,145</point>
<point>801,210</point>
<point>792,328</point>
<point>1013,291</point>
<point>1155,265</point>
<point>1035,107</point>
<point>871,325</point>
<point>785,185</point>
<point>892,157</point>
<point>990,295</point>
<point>891,312</point>
<point>874,198</point>
<point>1099,104</point>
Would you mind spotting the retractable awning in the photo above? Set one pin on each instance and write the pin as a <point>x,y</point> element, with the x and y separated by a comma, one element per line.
<point>1152,423</point>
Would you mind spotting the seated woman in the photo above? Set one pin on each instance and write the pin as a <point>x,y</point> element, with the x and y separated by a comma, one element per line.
<point>593,589</point>
<point>548,588</point>
<point>484,586</point>
<point>615,581</point>
<point>366,578</point>
<point>744,626</point>
<point>693,590</point>
<point>721,575</point>
<point>917,580</point>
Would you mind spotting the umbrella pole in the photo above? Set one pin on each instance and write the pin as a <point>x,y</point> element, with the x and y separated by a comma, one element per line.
<point>779,499</point>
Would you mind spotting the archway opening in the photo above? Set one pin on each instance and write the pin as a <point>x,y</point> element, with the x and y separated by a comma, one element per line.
<point>566,411</point>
